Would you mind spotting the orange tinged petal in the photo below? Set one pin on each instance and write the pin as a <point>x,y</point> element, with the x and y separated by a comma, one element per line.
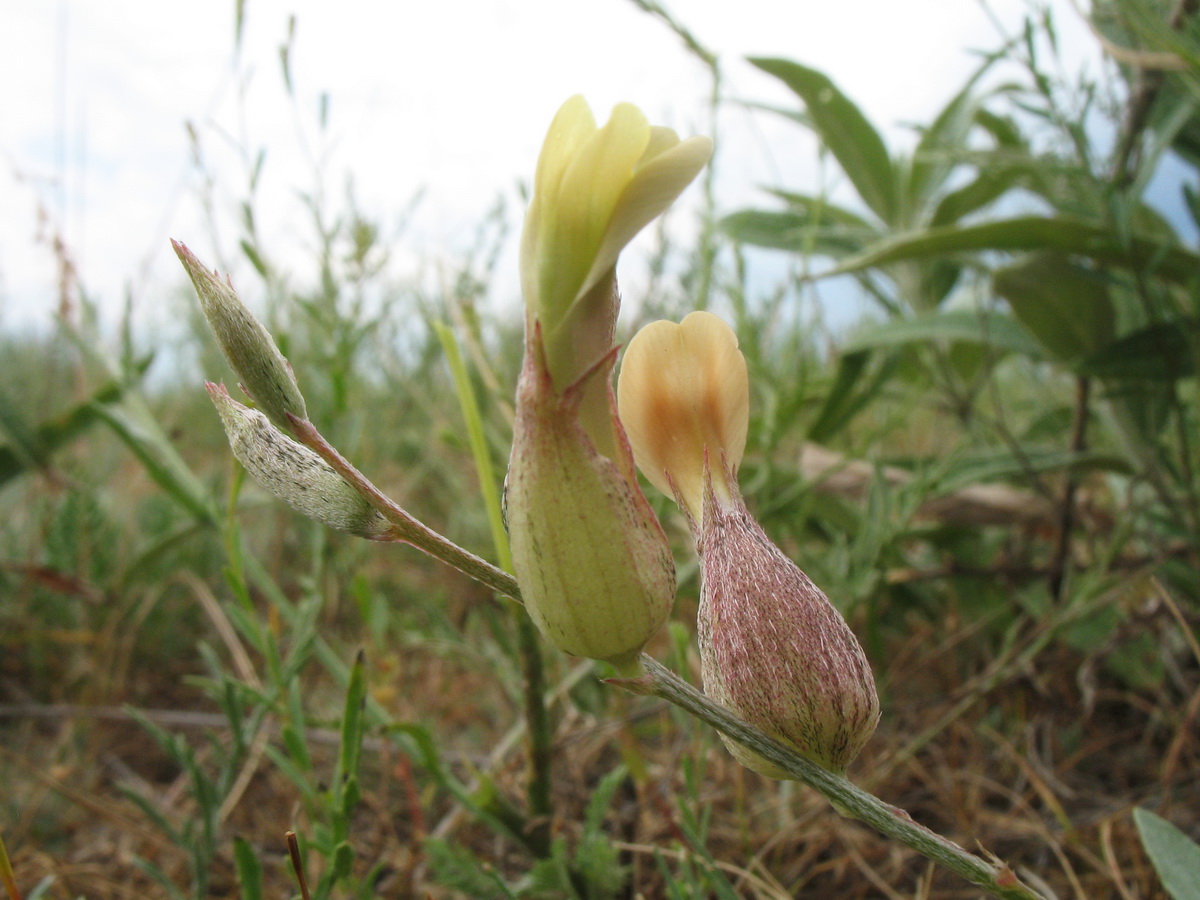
<point>684,399</point>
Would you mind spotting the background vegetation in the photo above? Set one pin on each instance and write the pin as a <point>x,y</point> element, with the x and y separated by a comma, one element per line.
<point>996,477</point>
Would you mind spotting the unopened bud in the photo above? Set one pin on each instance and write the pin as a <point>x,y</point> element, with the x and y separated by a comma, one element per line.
<point>265,374</point>
<point>292,472</point>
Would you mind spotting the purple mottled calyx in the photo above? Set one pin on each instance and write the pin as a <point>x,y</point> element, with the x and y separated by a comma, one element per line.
<point>774,650</point>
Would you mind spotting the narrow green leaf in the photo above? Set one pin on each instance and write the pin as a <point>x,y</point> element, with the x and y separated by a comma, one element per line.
<point>1001,465</point>
<point>597,806</point>
<point>484,470</point>
<point>144,437</point>
<point>990,183</point>
<point>843,401</point>
<point>942,146</point>
<point>343,861</point>
<point>7,877</point>
<point>34,445</point>
<point>1176,857</point>
<point>991,329</point>
<point>1066,235</point>
<point>1065,306</point>
<point>823,209</point>
<point>353,723</point>
<point>249,870</point>
<point>852,140</point>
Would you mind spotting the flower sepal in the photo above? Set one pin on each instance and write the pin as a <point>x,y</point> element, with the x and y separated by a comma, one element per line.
<point>594,566</point>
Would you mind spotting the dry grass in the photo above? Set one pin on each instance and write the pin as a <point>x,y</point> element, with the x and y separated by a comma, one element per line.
<point>1043,769</point>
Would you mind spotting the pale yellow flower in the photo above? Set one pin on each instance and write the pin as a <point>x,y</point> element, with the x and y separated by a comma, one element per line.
<point>594,566</point>
<point>684,399</point>
<point>595,189</point>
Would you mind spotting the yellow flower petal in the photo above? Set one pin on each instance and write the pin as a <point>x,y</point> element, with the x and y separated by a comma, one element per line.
<point>683,393</point>
<point>658,181</point>
<point>595,189</point>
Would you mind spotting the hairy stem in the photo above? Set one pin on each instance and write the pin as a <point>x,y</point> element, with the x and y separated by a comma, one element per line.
<point>994,877</point>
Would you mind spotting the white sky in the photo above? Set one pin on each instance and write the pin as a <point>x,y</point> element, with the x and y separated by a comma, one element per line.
<point>449,96</point>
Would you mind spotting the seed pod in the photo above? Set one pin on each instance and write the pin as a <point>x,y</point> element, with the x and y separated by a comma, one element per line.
<point>292,472</point>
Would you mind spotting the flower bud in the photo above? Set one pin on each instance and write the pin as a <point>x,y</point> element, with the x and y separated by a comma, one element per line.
<point>773,649</point>
<point>594,566</point>
<point>292,472</point>
<point>265,374</point>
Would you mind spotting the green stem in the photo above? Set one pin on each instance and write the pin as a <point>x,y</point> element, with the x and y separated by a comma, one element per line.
<point>7,878</point>
<point>537,718</point>
<point>538,735</point>
<point>994,877</point>
<point>405,527</point>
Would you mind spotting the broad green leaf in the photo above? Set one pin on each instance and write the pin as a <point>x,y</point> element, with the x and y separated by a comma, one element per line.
<point>1165,351</point>
<point>1065,306</point>
<point>1176,857</point>
<point>854,143</point>
<point>1066,235</point>
<point>797,231</point>
<point>992,329</point>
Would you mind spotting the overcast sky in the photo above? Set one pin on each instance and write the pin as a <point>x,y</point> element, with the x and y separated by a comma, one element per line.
<point>451,98</point>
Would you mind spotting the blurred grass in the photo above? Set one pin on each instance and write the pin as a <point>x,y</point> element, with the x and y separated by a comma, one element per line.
<point>178,685</point>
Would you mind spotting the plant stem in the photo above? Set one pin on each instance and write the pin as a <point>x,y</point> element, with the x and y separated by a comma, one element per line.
<point>1059,568</point>
<point>994,877</point>
<point>539,739</point>
<point>407,528</point>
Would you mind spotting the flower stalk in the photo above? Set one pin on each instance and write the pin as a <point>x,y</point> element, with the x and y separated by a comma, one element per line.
<point>851,801</point>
